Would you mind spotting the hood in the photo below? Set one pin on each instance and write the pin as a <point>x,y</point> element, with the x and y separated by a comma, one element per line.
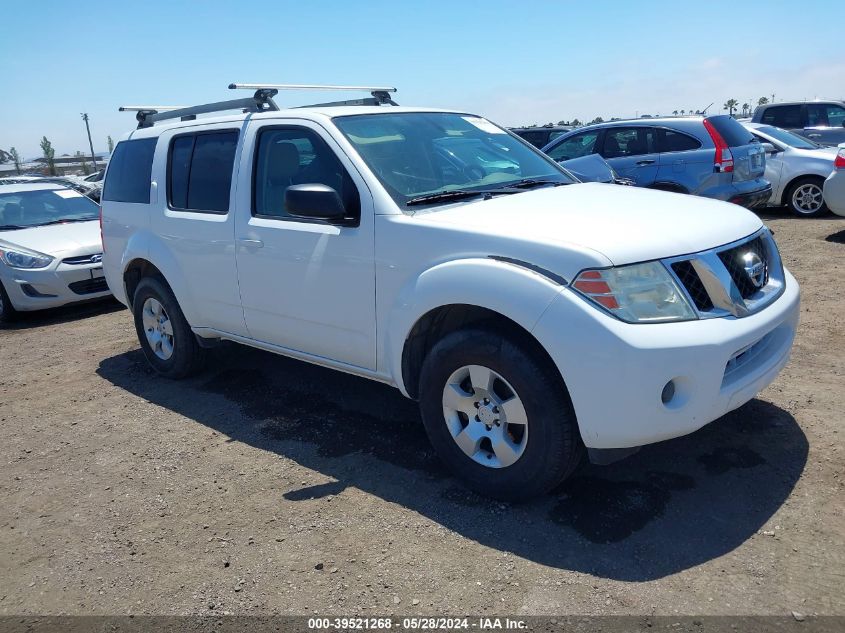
<point>58,239</point>
<point>625,224</point>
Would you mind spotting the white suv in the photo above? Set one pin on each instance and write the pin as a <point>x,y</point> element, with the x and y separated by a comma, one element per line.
<point>532,316</point>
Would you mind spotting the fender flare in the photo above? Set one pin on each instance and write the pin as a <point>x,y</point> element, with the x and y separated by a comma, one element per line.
<point>473,281</point>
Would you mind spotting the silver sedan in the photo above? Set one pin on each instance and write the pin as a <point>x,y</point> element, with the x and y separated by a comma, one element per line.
<point>796,167</point>
<point>50,248</point>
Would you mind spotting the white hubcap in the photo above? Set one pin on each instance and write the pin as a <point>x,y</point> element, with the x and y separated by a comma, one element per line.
<point>158,328</point>
<point>485,416</point>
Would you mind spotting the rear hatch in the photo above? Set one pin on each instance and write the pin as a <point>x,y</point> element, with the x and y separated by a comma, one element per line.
<point>737,151</point>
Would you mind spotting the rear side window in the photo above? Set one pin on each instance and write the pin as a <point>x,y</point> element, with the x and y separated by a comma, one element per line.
<point>671,141</point>
<point>783,116</point>
<point>732,132</point>
<point>129,172</point>
<point>199,173</point>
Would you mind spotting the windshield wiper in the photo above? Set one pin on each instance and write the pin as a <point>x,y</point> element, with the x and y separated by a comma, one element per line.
<point>458,194</point>
<point>66,221</point>
<point>528,183</point>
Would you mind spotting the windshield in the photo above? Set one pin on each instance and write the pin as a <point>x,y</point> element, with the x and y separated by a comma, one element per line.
<point>419,153</point>
<point>788,138</point>
<point>23,209</point>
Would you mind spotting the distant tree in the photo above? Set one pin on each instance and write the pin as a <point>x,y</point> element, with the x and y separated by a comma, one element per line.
<point>730,106</point>
<point>110,144</point>
<point>16,158</point>
<point>575,123</point>
<point>675,112</point>
<point>745,109</point>
<point>49,156</point>
<point>762,101</point>
<point>598,119</point>
<point>683,112</point>
<point>563,122</point>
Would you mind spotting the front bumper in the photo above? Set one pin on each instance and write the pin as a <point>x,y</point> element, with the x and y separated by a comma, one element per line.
<point>57,285</point>
<point>616,372</point>
<point>834,192</point>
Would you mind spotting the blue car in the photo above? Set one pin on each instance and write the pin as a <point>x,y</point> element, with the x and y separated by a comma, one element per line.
<point>712,156</point>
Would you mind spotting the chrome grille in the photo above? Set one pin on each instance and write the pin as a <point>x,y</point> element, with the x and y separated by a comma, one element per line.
<point>80,260</point>
<point>717,284</point>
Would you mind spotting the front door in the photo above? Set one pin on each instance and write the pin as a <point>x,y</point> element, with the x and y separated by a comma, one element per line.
<point>306,285</point>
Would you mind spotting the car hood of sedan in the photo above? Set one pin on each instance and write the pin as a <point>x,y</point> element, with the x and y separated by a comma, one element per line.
<point>625,224</point>
<point>58,239</point>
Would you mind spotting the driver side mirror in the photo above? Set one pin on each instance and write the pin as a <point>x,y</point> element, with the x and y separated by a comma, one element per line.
<point>314,201</point>
<point>769,148</point>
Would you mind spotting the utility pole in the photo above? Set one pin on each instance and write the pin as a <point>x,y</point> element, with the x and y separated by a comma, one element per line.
<point>90,143</point>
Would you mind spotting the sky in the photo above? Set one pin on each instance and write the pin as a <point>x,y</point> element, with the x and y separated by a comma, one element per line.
<point>515,62</point>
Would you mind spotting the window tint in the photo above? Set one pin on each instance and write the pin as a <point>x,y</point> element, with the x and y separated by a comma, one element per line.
<point>295,156</point>
<point>733,133</point>
<point>129,172</point>
<point>200,171</point>
<point>783,116</point>
<point>538,138</point>
<point>672,141</point>
<point>628,141</point>
<point>825,115</point>
<point>575,146</point>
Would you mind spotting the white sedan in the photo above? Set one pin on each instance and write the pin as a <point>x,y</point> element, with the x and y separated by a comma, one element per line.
<point>796,167</point>
<point>834,186</point>
<point>50,248</point>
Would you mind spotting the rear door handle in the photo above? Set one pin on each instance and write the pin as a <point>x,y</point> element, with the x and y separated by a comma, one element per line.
<point>251,243</point>
<point>814,135</point>
<point>647,161</point>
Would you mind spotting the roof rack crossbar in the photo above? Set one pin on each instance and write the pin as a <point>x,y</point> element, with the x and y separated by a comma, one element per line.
<point>147,116</point>
<point>380,94</point>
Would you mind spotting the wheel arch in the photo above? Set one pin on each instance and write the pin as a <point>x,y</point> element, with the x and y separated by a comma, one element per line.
<point>787,188</point>
<point>665,185</point>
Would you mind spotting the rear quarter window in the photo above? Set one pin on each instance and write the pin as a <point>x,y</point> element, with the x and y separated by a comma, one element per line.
<point>130,170</point>
<point>671,141</point>
<point>732,132</point>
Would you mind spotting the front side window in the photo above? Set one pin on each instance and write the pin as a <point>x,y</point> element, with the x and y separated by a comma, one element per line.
<point>129,174</point>
<point>628,141</point>
<point>825,115</point>
<point>415,154</point>
<point>199,174</point>
<point>296,156</point>
<point>24,209</point>
<point>575,146</point>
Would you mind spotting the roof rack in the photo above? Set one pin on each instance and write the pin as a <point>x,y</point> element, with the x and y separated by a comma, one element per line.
<point>380,94</point>
<point>261,101</point>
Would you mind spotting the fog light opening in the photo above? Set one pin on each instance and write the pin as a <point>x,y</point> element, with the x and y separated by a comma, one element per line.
<point>668,392</point>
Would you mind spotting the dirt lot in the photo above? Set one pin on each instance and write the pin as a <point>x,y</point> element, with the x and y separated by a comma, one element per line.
<point>270,486</point>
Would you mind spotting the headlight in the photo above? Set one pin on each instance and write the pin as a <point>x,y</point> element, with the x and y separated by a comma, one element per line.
<point>639,293</point>
<point>18,257</point>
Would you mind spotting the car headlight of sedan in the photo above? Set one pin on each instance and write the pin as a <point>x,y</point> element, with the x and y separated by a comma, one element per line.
<point>18,257</point>
<point>638,293</point>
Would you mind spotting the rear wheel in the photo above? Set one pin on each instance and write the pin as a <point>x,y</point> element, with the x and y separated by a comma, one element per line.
<point>498,415</point>
<point>166,339</point>
<point>7,310</point>
<point>805,198</point>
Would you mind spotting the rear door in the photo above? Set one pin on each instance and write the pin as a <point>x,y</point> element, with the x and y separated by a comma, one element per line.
<point>632,152</point>
<point>682,160</point>
<point>748,155</point>
<point>825,123</point>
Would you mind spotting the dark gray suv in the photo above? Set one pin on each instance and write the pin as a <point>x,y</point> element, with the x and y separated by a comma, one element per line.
<point>819,121</point>
<point>711,156</point>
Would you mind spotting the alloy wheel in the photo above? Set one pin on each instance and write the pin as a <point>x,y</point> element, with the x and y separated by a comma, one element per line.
<point>485,416</point>
<point>807,198</point>
<point>158,328</point>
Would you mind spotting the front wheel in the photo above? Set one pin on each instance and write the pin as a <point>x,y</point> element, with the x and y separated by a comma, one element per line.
<point>165,336</point>
<point>498,415</point>
<point>7,310</point>
<point>805,198</point>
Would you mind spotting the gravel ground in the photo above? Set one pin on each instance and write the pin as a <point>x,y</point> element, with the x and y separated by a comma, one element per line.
<point>267,486</point>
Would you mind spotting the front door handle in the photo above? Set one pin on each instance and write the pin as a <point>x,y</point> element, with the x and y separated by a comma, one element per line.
<point>814,135</point>
<point>647,161</point>
<point>251,243</point>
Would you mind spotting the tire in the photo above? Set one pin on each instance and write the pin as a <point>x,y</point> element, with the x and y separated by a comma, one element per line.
<point>171,347</point>
<point>8,314</point>
<point>547,447</point>
<point>805,198</point>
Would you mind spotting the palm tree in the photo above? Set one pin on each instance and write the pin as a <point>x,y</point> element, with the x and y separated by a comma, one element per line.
<point>762,101</point>
<point>675,112</point>
<point>683,112</point>
<point>730,105</point>
<point>745,109</point>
